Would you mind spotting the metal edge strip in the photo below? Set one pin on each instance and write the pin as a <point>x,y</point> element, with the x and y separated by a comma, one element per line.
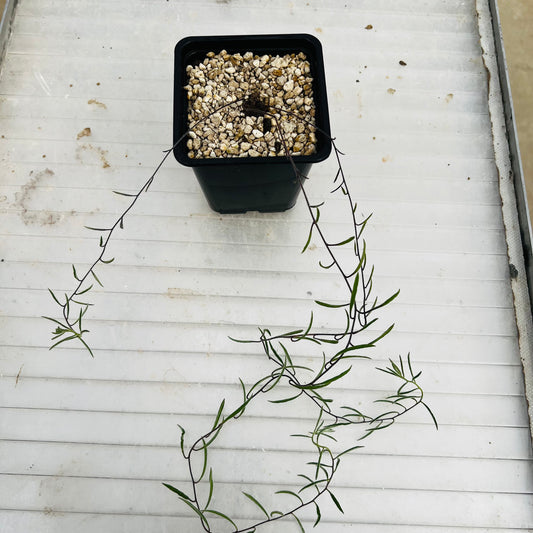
<point>512,134</point>
<point>512,190</point>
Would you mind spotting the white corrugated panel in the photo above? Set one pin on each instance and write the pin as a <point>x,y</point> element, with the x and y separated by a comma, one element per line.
<point>86,443</point>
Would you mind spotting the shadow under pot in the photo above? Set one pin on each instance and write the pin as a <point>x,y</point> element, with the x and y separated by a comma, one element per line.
<point>250,114</point>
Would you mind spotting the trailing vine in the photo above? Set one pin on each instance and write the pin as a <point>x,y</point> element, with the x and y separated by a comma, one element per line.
<point>339,347</point>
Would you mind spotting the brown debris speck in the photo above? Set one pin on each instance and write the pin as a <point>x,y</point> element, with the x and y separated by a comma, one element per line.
<point>96,103</point>
<point>85,132</point>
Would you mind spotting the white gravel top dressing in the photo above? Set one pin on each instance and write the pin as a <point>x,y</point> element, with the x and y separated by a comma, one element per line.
<point>274,108</point>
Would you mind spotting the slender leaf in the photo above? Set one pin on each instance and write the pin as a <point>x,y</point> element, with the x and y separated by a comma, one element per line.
<point>182,441</point>
<point>290,493</point>
<point>298,522</point>
<point>178,492</point>
<point>325,383</point>
<point>431,414</point>
<point>84,290</point>
<point>96,278</point>
<point>55,298</point>
<point>284,400</point>
<point>251,498</point>
<point>331,306</point>
<point>132,195</point>
<point>345,241</point>
<point>386,302</point>
<point>222,515</point>
<point>318,514</point>
<point>308,242</point>
<point>211,487</point>
<point>97,229</point>
<point>335,501</point>
<point>219,413</point>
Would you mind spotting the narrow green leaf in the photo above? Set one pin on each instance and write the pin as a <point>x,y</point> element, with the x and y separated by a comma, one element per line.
<point>182,441</point>
<point>325,383</point>
<point>84,290</point>
<point>86,345</point>
<point>66,339</point>
<point>204,467</point>
<point>331,306</point>
<point>293,333</point>
<point>290,493</point>
<point>314,484</point>
<point>96,278</point>
<point>251,498</point>
<point>125,194</point>
<point>97,229</point>
<point>336,502</point>
<point>326,267</point>
<point>345,241</point>
<point>55,321</point>
<point>355,286</point>
<point>198,512</point>
<point>299,523</point>
<point>107,261</point>
<point>222,515</point>
<point>308,239</point>
<point>432,415</point>
<point>386,302</point>
<point>177,491</point>
<point>318,515</point>
<point>348,450</point>
<point>309,326</point>
<point>219,413</point>
<point>55,298</point>
<point>67,305</point>
<point>75,274</point>
<point>215,435</point>
<point>211,487</point>
<point>284,400</point>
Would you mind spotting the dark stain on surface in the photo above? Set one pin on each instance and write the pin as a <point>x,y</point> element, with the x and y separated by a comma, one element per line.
<point>24,197</point>
<point>89,148</point>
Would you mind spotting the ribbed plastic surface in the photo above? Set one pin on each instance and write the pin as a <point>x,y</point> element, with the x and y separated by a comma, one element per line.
<point>86,443</point>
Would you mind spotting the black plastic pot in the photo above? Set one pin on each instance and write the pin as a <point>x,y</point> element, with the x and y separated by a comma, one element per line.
<point>239,184</point>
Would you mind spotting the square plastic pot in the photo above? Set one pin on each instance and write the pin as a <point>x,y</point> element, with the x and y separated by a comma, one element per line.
<point>240,184</point>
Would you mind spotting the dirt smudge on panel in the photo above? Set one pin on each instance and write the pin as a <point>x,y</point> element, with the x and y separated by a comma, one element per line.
<point>24,197</point>
<point>92,101</point>
<point>449,98</point>
<point>19,374</point>
<point>175,292</point>
<point>85,132</point>
<point>89,148</point>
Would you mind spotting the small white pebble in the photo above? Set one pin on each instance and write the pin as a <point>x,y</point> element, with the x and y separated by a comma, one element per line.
<point>257,134</point>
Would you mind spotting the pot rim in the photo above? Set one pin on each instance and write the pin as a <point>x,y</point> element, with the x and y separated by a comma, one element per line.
<point>194,48</point>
